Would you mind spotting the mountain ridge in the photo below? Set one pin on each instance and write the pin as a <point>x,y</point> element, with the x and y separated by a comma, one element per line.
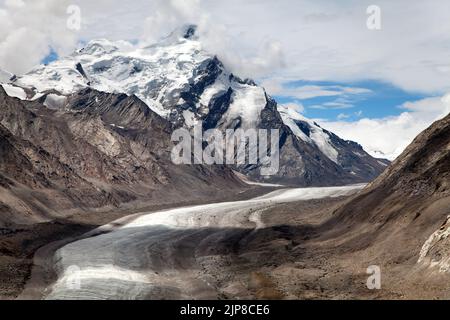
<point>402,217</point>
<point>184,84</point>
<point>57,161</point>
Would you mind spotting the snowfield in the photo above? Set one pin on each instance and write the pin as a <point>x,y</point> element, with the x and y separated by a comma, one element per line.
<point>155,74</point>
<point>163,255</point>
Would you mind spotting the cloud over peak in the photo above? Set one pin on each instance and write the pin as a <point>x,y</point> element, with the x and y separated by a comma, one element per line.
<point>28,29</point>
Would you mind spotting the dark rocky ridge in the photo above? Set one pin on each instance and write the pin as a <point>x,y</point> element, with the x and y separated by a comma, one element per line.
<point>102,150</point>
<point>301,163</point>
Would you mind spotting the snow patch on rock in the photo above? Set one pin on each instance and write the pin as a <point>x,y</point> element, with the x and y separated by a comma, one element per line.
<point>316,134</point>
<point>54,101</point>
<point>14,91</point>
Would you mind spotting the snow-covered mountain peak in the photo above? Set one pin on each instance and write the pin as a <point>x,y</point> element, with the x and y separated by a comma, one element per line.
<point>176,78</point>
<point>186,32</point>
<point>185,84</point>
<point>157,74</point>
<point>101,47</point>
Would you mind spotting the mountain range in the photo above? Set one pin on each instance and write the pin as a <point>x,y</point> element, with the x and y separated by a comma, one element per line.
<point>184,84</point>
<point>92,132</point>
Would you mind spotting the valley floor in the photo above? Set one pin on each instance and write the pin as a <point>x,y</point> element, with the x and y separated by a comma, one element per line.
<point>210,251</point>
<point>19,244</point>
<point>269,247</point>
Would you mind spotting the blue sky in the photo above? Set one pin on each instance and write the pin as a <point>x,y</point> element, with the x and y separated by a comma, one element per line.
<point>381,100</point>
<point>52,56</point>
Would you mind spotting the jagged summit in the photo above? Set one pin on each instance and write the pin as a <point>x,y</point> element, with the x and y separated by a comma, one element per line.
<point>190,31</point>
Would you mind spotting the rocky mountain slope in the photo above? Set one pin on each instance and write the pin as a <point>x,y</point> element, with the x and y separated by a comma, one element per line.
<point>398,225</point>
<point>401,220</point>
<point>184,84</point>
<point>101,151</point>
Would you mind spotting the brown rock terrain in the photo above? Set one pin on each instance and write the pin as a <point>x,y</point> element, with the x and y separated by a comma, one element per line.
<point>392,219</point>
<point>399,222</point>
<point>101,151</point>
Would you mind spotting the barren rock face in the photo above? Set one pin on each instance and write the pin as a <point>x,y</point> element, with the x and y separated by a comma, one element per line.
<point>424,167</point>
<point>402,217</point>
<point>98,150</point>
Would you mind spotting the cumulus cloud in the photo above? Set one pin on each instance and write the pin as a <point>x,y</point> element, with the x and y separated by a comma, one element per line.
<point>388,137</point>
<point>167,15</point>
<point>313,40</point>
<point>325,40</point>
<point>28,29</point>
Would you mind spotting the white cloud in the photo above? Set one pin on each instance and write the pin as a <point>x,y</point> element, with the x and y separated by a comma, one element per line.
<point>325,40</point>
<point>342,116</point>
<point>27,30</point>
<point>336,104</point>
<point>389,136</point>
<point>314,40</point>
<point>301,92</point>
<point>332,105</point>
<point>296,106</point>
